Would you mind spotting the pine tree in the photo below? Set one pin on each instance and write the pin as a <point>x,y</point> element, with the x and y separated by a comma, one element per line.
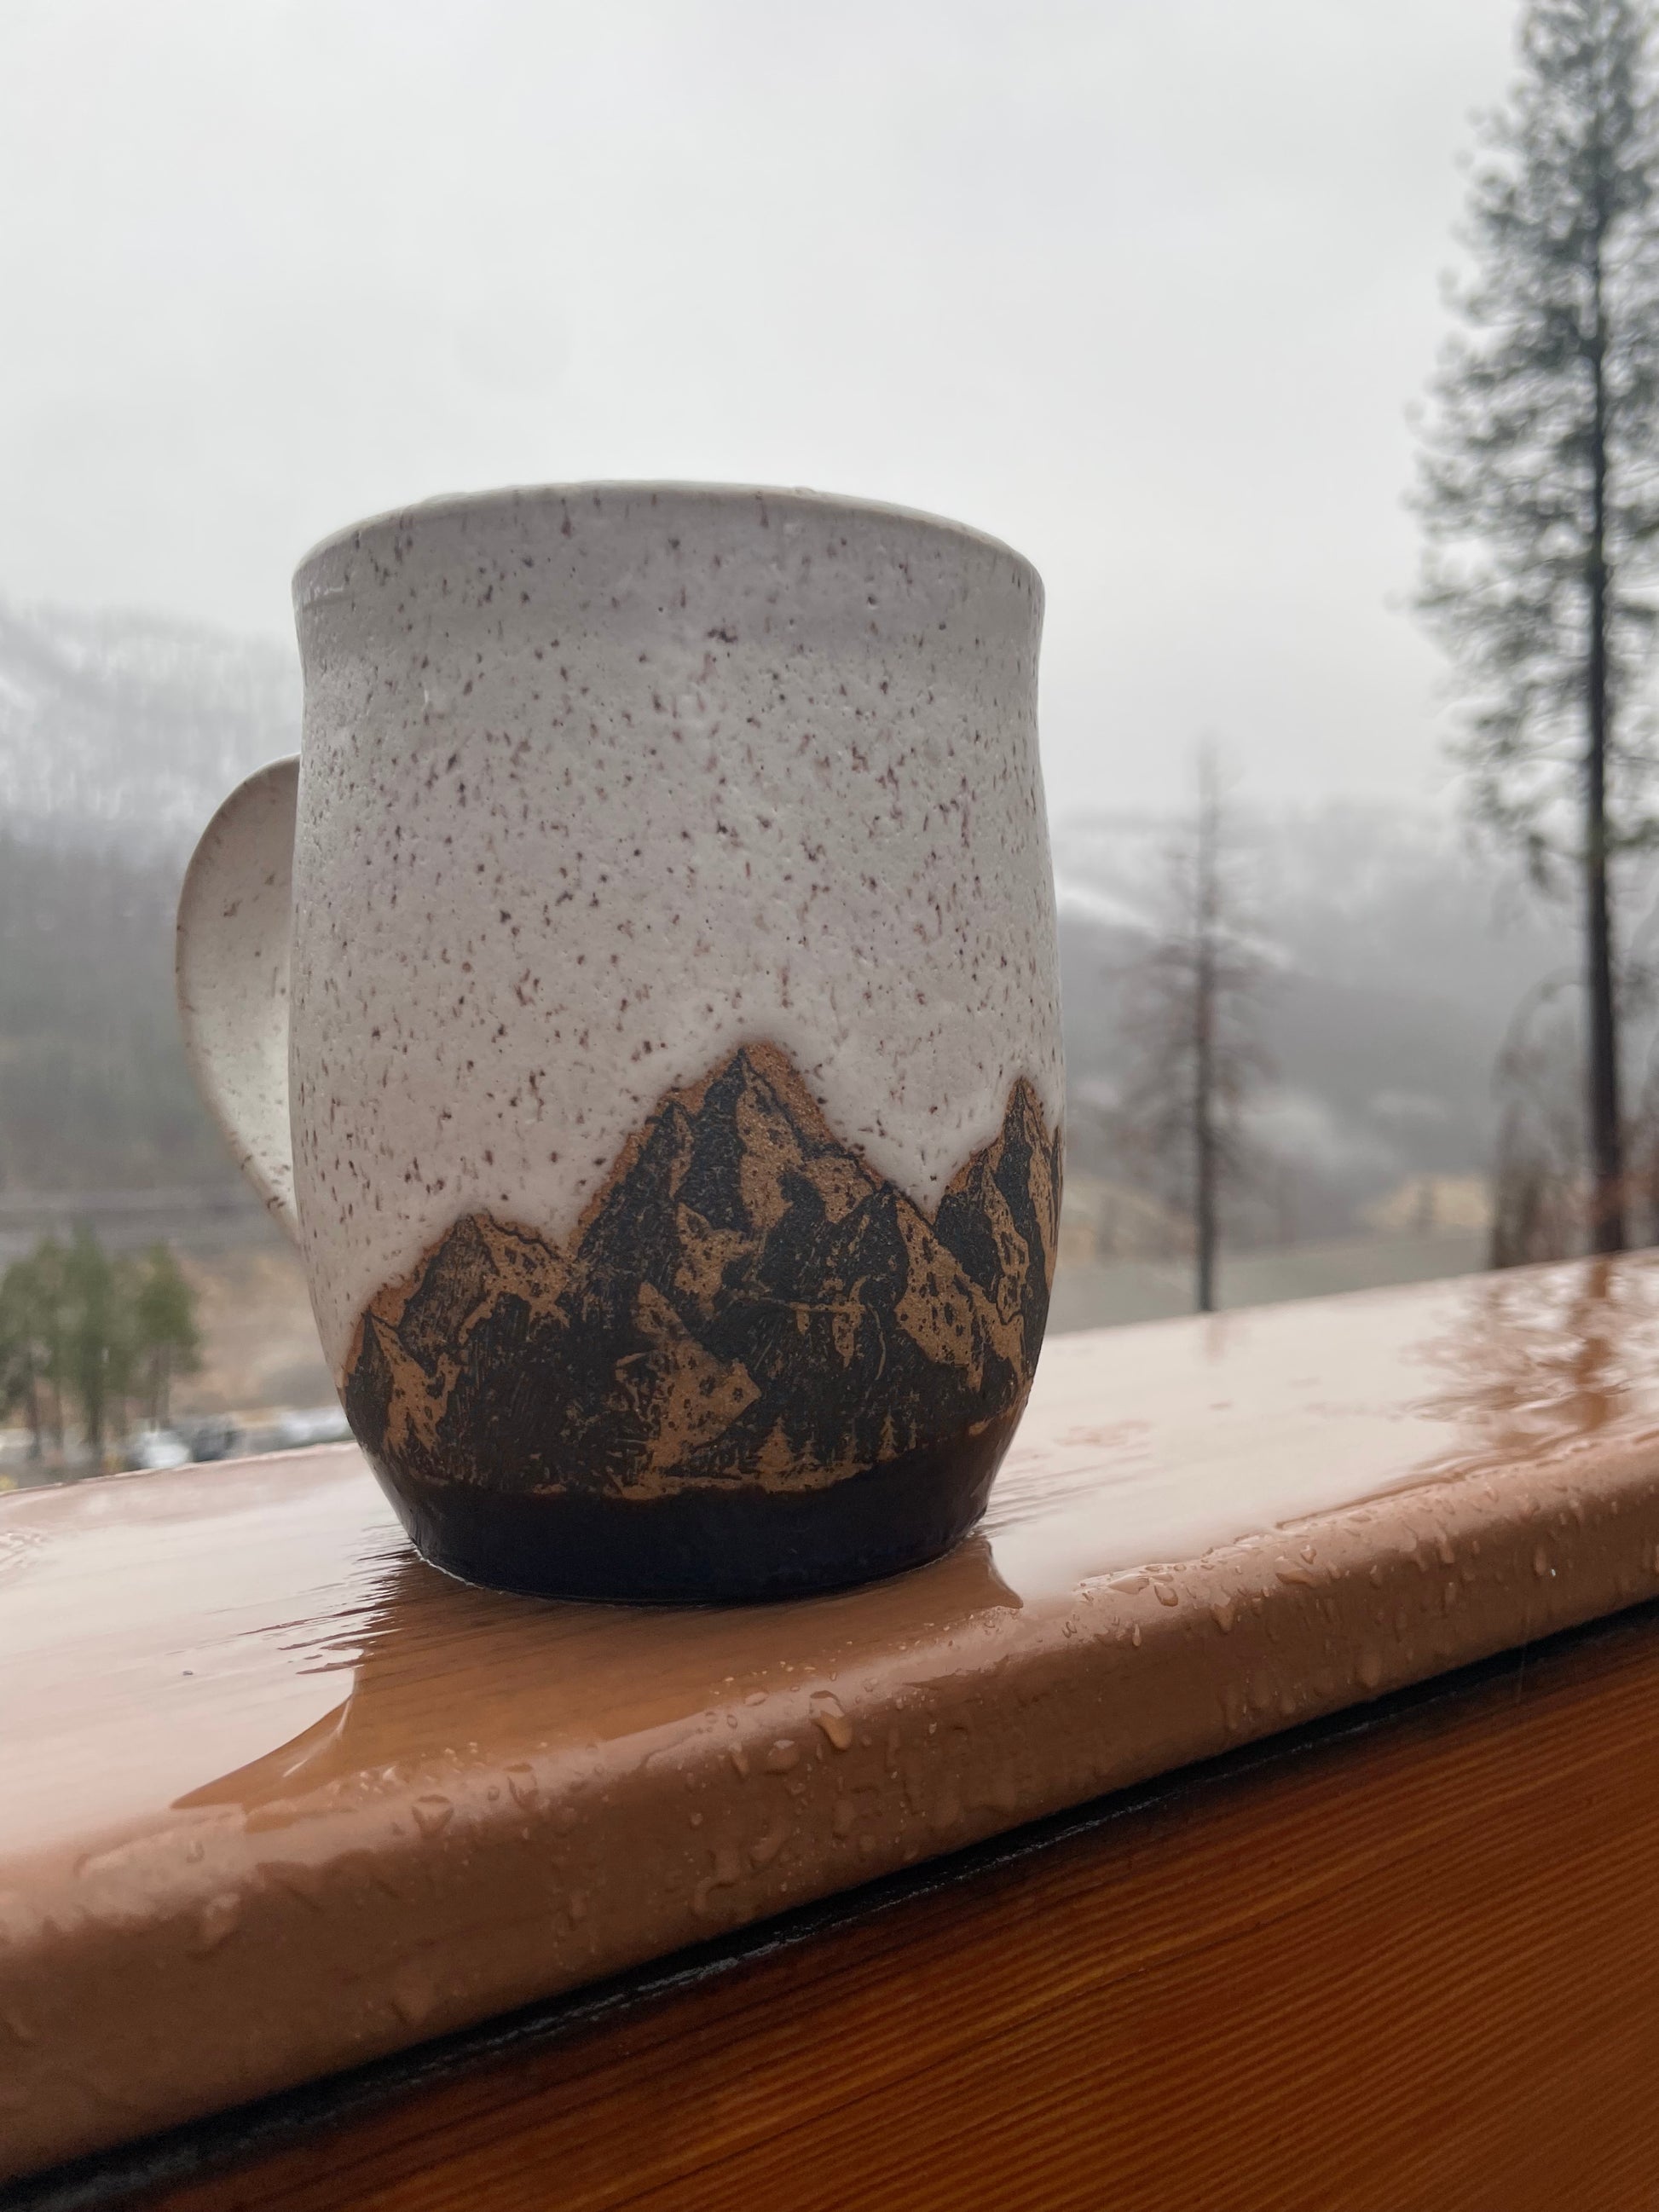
<point>166,1338</point>
<point>1189,1025</point>
<point>19,1381</point>
<point>33,1322</point>
<point>1540,490</point>
<point>1538,1157</point>
<point>98,1353</point>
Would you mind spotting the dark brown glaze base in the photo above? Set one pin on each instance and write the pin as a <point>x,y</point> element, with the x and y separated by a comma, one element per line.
<point>709,1547</point>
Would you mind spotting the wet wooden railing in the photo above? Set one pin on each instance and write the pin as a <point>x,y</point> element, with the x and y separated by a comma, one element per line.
<point>1259,1811</point>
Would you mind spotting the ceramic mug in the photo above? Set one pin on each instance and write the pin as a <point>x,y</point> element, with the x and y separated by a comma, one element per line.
<point>639,1003</point>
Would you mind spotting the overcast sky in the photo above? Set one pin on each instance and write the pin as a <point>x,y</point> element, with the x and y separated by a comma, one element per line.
<point>1143,286</point>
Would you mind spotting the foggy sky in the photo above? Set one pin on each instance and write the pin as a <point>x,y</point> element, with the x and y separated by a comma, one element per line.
<point>1143,286</point>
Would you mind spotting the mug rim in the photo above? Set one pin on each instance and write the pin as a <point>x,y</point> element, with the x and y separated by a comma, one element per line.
<point>504,497</point>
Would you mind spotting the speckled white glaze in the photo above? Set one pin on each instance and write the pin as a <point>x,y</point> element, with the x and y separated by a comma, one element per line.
<point>598,783</point>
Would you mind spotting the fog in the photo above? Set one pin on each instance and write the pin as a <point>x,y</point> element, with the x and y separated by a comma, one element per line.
<point>1147,290</point>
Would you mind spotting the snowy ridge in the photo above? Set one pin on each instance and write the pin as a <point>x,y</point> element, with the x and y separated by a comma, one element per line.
<point>130,727</point>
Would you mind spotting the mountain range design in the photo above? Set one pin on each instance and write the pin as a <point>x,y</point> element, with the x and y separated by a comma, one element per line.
<point>745,1306</point>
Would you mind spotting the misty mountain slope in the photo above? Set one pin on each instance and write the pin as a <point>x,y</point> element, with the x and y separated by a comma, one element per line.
<point>1395,957</point>
<point>131,728</point>
<point>94,1089</point>
<point>1362,894</point>
<point>120,735</point>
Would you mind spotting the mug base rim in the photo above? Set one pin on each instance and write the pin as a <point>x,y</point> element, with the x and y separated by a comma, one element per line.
<point>741,1546</point>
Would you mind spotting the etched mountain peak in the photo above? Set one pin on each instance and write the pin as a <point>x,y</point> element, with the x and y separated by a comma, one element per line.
<point>745,1302</point>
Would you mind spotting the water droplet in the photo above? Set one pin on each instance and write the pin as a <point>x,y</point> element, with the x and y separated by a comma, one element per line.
<point>1540,1561</point>
<point>695,1820</point>
<point>755,1697</point>
<point>299,1880</point>
<point>1294,1575</point>
<point>216,1920</point>
<point>1135,1637</point>
<point>765,1849</point>
<point>274,1812</point>
<point>1444,1549</point>
<point>1222,1614</point>
<point>784,1754</point>
<point>1376,1573</point>
<point>827,1712</point>
<point>576,1906</point>
<point>1370,1668</point>
<point>412,1995</point>
<point>727,1870</point>
<point>844,1816</point>
<point>739,1760</point>
<point>521,1781</point>
<point>432,1814</point>
<point>1308,1554</point>
<point>565,1818</point>
<point>1129,1584</point>
<point>1165,1594</point>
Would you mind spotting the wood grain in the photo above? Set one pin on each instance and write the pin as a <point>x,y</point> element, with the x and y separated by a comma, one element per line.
<point>1413,1963</point>
<point>281,1801</point>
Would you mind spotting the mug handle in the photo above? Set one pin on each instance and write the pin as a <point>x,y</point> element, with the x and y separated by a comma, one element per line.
<point>231,959</point>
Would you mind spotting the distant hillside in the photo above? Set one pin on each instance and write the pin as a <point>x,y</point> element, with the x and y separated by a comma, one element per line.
<point>94,1089</point>
<point>128,729</point>
<point>1397,958</point>
<point>118,737</point>
<point>1395,955</point>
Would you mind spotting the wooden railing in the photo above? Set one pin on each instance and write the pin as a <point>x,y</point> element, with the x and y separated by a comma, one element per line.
<point>1245,1816</point>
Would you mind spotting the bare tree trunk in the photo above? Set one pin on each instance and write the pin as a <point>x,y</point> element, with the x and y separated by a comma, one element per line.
<point>1204,1011</point>
<point>1606,1132</point>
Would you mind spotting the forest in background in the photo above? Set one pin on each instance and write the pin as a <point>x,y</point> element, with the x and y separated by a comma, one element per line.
<point>118,737</point>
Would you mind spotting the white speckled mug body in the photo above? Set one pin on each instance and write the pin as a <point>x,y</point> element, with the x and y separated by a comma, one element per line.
<point>671,900</point>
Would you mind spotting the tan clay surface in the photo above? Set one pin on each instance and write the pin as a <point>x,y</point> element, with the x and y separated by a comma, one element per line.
<point>278,1797</point>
